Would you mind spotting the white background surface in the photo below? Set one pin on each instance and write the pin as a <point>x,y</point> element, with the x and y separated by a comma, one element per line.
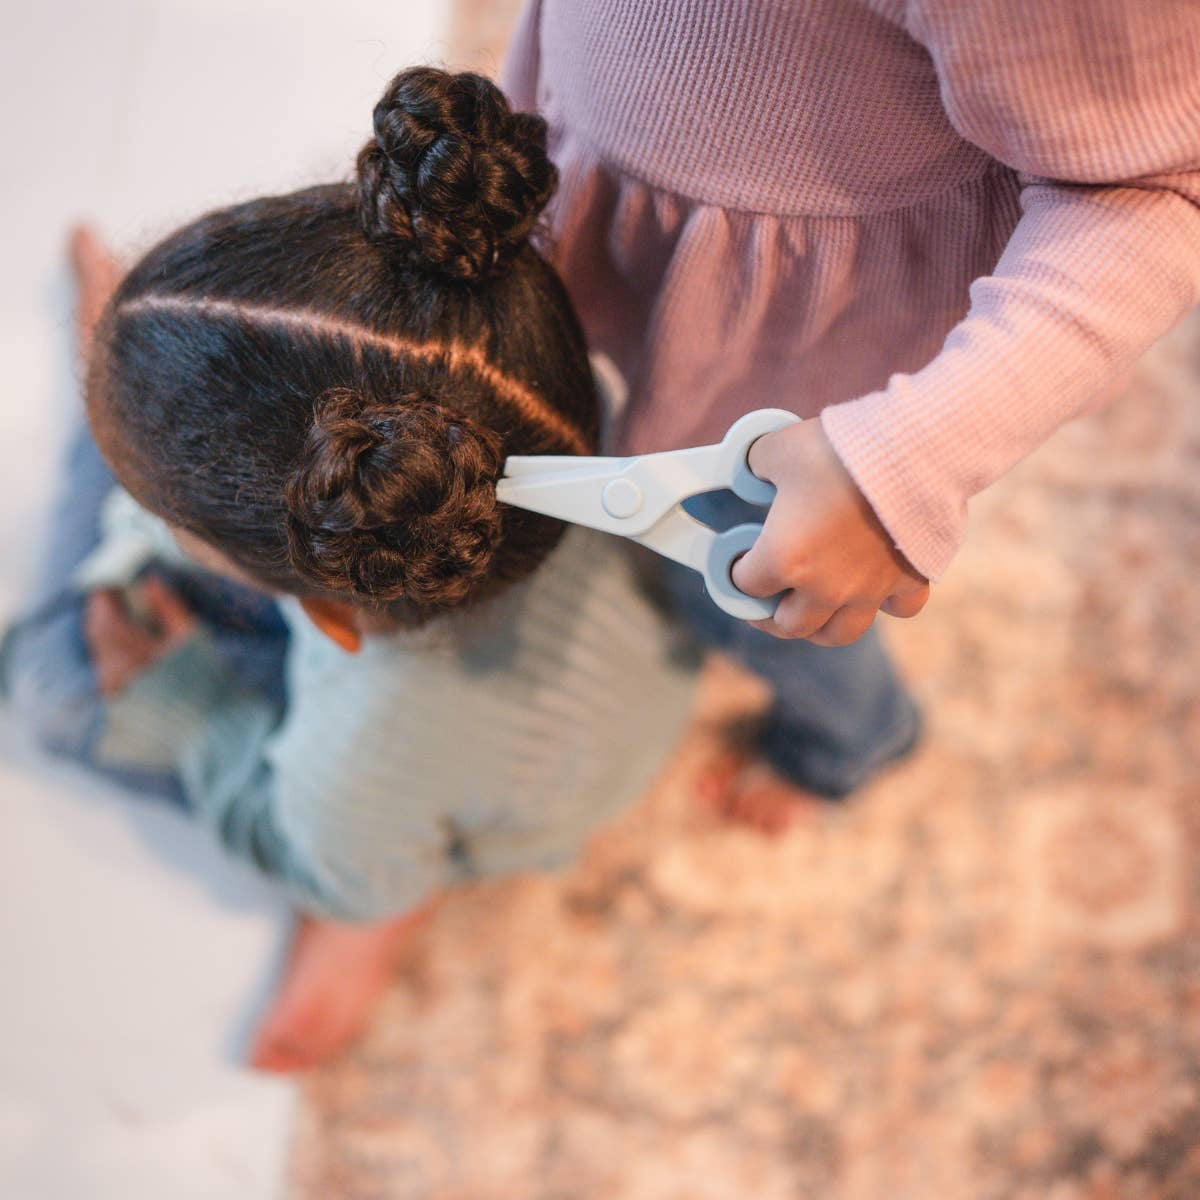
<point>132,956</point>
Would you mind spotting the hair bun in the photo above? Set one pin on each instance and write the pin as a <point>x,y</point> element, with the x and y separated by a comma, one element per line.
<point>454,179</point>
<point>394,501</point>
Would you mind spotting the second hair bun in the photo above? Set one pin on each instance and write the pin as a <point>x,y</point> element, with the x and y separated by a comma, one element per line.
<point>394,501</point>
<point>454,180</point>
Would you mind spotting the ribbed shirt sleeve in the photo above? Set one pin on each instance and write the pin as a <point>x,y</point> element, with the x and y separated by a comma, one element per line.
<point>314,834</point>
<point>1096,105</point>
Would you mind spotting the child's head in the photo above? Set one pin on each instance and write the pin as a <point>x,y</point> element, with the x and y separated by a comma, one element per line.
<point>323,386</point>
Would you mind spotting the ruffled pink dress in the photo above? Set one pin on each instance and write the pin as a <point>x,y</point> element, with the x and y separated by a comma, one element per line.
<point>946,226</point>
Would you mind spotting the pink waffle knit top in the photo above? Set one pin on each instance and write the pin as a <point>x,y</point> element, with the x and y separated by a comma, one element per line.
<point>946,226</point>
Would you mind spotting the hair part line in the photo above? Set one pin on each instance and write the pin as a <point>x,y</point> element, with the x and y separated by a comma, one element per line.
<point>457,355</point>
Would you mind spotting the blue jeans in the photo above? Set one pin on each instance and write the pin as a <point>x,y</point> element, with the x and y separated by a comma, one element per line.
<point>45,669</point>
<point>839,714</point>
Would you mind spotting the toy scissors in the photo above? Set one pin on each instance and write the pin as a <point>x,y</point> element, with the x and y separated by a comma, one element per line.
<point>641,498</point>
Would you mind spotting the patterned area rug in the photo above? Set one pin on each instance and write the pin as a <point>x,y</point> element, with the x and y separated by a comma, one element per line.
<point>978,981</point>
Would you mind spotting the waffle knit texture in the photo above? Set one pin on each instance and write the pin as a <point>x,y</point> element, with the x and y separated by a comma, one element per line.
<point>946,226</point>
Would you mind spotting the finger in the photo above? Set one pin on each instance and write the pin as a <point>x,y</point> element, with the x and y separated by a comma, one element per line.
<point>176,621</point>
<point>796,617</point>
<point>759,572</point>
<point>117,646</point>
<point>845,626</point>
<point>906,604</point>
<point>112,632</point>
<point>105,616</point>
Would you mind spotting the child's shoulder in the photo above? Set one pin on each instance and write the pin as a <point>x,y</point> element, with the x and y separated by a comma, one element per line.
<point>570,675</point>
<point>589,579</point>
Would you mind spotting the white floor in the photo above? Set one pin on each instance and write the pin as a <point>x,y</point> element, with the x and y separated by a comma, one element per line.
<point>132,956</point>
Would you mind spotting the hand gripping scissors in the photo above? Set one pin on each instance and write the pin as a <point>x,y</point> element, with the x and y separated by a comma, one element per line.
<point>641,498</point>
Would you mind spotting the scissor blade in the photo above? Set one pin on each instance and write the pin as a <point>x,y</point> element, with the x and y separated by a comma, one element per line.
<point>572,494</point>
<point>520,466</point>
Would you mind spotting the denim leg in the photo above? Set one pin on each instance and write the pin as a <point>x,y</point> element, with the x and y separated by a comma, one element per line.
<point>839,713</point>
<point>47,678</point>
<point>75,523</point>
<point>45,670</point>
<point>44,663</point>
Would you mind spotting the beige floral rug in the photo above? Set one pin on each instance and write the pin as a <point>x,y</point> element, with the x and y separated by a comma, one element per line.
<point>978,981</point>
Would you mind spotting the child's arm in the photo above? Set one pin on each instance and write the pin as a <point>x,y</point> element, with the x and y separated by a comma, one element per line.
<point>264,780</point>
<point>1097,105</point>
<point>339,849</point>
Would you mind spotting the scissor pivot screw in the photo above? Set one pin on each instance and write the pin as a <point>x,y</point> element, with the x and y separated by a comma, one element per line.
<point>621,498</point>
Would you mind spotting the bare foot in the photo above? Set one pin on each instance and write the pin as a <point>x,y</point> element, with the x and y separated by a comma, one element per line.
<point>97,274</point>
<point>741,788</point>
<point>335,976</point>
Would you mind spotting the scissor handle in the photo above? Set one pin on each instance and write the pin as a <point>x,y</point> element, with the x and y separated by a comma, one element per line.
<point>736,443</point>
<point>718,575</point>
<point>726,547</point>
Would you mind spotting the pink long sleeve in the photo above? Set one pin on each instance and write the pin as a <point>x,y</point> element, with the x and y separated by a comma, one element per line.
<point>1097,106</point>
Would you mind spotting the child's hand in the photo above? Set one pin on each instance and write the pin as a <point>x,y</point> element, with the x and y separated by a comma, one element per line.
<point>120,645</point>
<point>822,541</point>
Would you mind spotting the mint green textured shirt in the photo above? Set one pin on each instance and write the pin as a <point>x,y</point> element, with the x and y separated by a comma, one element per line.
<point>492,741</point>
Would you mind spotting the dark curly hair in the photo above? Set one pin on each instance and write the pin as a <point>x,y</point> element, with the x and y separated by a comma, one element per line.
<point>324,385</point>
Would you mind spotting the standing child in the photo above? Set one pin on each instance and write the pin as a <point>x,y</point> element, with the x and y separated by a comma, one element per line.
<point>943,226</point>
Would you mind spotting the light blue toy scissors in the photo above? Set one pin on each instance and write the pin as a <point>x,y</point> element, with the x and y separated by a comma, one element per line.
<point>641,498</point>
